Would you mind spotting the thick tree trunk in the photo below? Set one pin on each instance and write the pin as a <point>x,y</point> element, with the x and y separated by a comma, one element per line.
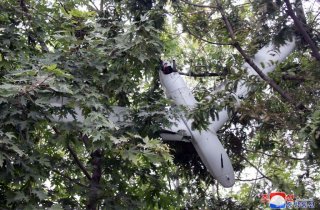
<point>95,188</point>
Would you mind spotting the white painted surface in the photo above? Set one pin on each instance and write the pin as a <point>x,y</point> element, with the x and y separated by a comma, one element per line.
<point>206,143</point>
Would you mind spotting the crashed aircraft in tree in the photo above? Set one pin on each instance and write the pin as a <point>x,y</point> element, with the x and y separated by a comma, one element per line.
<point>206,142</point>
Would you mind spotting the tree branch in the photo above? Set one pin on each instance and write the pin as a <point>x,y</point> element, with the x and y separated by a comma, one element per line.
<point>63,6</point>
<point>249,180</point>
<point>34,86</point>
<point>204,74</point>
<point>255,167</point>
<point>315,18</point>
<point>94,5</point>
<point>293,78</point>
<point>74,155</point>
<point>302,30</point>
<point>67,177</point>
<point>236,44</point>
<point>78,162</point>
<point>199,5</point>
<point>202,39</point>
<point>101,5</point>
<point>278,156</point>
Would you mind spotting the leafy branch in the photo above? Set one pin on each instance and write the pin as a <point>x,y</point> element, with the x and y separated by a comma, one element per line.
<point>78,162</point>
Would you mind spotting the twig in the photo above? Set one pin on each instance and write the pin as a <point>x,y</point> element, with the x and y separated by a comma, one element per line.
<point>202,39</point>
<point>255,181</point>
<point>92,2</point>
<point>218,194</point>
<point>36,85</point>
<point>95,7</point>
<point>250,180</point>
<point>78,162</point>
<point>198,37</point>
<point>255,167</point>
<point>303,32</point>
<point>278,156</point>
<point>67,177</point>
<point>315,18</point>
<point>206,189</point>
<point>64,8</point>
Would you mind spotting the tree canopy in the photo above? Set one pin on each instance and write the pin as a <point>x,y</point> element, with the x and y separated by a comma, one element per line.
<point>105,53</point>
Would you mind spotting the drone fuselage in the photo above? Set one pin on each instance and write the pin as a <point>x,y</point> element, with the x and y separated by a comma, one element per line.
<point>206,142</point>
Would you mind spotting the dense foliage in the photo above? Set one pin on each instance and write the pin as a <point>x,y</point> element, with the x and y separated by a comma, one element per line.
<point>100,54</point>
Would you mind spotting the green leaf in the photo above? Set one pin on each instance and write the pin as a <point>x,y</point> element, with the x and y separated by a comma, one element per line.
<point>7,90</point>
<point>53,69</point>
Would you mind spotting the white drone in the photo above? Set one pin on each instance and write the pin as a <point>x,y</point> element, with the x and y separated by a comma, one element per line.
<point>205,142</point>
